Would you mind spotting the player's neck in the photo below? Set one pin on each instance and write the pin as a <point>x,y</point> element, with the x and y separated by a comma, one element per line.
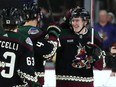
<point>83,31</point>
<point>31,23</point>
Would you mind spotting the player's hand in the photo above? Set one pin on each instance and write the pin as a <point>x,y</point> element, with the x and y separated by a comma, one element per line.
<point>93,49</point>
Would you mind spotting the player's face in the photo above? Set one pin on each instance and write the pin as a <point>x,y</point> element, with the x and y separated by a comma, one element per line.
<point>77,24</point>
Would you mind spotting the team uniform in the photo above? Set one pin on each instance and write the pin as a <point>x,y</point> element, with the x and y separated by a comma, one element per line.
<point>16,60</point>
<point>43,48</point>
<point>72,46</point>
<point>45,45</point>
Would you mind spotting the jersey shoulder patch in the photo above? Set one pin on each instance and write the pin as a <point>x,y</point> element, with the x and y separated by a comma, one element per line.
<point>29,42</point>
<point>33,30</point>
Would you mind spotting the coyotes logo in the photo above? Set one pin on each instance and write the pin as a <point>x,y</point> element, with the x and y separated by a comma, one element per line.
<point>82,59</point>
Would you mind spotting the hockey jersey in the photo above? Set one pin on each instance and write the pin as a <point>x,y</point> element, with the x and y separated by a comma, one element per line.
<point>43,48</point>
<point>70,48</point>
<point>16,60</point>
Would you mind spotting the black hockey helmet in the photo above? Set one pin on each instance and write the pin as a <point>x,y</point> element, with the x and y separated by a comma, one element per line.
<point>10,16</point>
<point>80,12</point>
<point>31,11</point>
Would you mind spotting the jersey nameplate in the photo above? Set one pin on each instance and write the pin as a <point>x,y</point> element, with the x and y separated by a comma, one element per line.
<point>9,45</point>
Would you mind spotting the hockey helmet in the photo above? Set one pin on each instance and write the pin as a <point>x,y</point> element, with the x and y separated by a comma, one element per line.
<point>31,11</point>
<point>80,12</point>
<point>10,16</point>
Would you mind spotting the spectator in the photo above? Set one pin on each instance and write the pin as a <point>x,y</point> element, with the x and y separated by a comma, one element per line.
<point>105,29</point>
<point>107,32</point>
<point>111,18</point>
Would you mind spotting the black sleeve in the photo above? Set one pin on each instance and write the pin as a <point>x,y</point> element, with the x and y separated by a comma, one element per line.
<point>46,48</point>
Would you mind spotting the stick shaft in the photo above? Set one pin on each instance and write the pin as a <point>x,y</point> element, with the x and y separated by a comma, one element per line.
<point>92,21</point>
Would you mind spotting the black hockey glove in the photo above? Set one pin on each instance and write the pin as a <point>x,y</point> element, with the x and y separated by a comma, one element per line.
<point>53,31</point>
<point>94,51</point>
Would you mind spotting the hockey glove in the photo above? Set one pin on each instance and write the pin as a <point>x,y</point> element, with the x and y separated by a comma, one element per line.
<point>94,51</point>
<point>53,31</point>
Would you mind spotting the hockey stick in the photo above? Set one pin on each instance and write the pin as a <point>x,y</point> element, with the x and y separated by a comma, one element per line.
<point>92,21</point>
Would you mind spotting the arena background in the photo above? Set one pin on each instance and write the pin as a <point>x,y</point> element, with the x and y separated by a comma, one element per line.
<point>59,7</point>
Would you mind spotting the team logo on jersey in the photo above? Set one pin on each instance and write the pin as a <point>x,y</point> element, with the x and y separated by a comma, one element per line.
<point>33,31</point>
<point>28,41</point>
<point>82,59</point>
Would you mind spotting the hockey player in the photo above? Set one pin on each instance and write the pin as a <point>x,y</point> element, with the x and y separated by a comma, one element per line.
<point>44,48</point>
<point>16,54</point>
<point>76,57</point>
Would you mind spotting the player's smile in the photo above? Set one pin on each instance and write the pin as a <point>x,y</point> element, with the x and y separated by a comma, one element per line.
<point>77,24</point>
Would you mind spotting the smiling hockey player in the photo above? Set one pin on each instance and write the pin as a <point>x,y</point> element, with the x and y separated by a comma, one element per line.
<point>77,56</point>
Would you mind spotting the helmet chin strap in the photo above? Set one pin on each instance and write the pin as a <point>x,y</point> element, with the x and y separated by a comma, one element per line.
<point>84,26</point>
<point>81,35</point>
<point>80,30</point>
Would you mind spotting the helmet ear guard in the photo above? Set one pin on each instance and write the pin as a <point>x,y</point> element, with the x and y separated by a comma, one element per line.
<point>10,16</point>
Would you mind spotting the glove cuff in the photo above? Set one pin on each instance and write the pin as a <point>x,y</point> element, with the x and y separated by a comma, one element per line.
<point>54,30</point>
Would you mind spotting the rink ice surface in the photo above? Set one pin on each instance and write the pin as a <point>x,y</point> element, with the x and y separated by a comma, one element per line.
<point>101,78</point>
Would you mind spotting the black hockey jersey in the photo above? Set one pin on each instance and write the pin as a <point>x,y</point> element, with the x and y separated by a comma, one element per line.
<point>70,48</point>
<point>16,60</point>
<point>43,48</point>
